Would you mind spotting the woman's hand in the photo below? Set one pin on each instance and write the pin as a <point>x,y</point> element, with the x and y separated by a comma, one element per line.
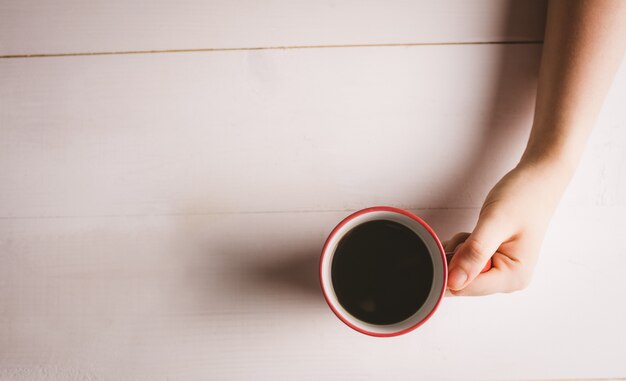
<point>510,230</point>
<point>584,45</point>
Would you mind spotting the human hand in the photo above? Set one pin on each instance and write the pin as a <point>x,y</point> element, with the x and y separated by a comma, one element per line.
<point>584,44</point>
<point>510,230</point>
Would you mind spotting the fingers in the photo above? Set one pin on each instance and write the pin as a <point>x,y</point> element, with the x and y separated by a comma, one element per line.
<point>483,284</point>
<point>506,276</point>
<point>450,246</point>
<point>471,257</point>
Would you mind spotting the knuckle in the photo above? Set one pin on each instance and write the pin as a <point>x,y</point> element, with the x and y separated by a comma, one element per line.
<point>474,250</point>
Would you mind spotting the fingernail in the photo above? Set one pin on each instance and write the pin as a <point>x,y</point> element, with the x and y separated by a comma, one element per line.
<point>456,279</point>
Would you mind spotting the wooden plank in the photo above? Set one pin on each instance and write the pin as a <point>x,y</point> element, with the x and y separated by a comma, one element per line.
<point>49,27</point>
<point>333,129</point>
<point>235,297</point>
<point>278,131</point>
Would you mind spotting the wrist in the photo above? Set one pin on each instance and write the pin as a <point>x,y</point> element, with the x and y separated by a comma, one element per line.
<point>542,181</point>
<point>553,151</point>
<point>549,172</point>
<point>554,163</point>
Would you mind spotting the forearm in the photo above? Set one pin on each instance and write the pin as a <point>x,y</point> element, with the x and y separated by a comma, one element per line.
<point>583,47</point>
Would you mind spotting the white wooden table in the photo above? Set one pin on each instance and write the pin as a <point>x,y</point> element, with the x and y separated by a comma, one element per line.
<point>162,213</point>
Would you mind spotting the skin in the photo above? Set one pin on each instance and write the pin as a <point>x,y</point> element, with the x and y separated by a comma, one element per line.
<point>584,45</point>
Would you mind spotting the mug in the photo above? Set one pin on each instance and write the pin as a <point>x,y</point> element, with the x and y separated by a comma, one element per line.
<point>433,246</point>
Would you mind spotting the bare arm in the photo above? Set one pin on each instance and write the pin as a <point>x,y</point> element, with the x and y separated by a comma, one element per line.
<point>584,45</point>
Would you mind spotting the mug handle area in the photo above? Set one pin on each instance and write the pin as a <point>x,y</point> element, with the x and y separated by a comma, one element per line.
<point>450,254</point>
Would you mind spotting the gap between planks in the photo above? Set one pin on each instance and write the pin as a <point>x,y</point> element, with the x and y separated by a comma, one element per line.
<point>252,212</point>
<point>289,47</point>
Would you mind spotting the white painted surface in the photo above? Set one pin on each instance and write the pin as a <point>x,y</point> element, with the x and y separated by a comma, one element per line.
<point>261,131</point>
<point>52,26</point>
<point>197,297</point>
<point>161,215</point>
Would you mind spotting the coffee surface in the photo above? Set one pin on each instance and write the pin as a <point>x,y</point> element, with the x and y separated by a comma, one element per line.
<point>381,272</point>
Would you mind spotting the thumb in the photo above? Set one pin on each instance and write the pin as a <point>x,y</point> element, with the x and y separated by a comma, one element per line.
<point>474,253</point>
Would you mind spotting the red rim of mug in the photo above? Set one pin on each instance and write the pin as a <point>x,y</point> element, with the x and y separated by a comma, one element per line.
<point>441,252</point>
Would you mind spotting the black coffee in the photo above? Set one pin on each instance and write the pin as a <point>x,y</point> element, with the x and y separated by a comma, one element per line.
<point>381,272</point>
